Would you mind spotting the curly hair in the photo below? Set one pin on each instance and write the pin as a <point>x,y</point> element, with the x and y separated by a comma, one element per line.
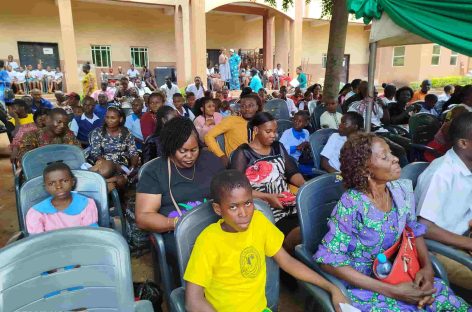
<point>354,158</point>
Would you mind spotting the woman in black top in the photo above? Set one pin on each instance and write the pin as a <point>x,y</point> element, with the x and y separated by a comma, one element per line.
<point>399,114</point>
<point>269,168</point>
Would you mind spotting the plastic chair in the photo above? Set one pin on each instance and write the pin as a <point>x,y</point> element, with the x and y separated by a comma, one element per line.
<point>316,200</point>
<point>412,171</point>
<point>221,142</point>
<point>277,108</point>
<point>89,184</point>
<point>282,125</point>
<point>187,231</point>
<point>316,116</point>
<point>318,140</point>
<point>70,269</point>
<point>423,128</point>
<point>34,161</point>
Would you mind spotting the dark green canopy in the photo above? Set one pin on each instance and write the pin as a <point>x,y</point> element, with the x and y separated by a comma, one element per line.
<point>445,22</point>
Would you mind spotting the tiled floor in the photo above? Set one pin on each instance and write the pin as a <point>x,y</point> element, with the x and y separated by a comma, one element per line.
<point>141,267</point>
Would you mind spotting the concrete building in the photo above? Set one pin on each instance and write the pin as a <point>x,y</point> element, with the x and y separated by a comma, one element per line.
<point>184,34</point>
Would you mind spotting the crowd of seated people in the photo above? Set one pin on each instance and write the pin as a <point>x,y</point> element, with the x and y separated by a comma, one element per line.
<point>177,135</point>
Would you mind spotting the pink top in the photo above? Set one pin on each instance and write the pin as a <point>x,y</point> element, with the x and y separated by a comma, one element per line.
<point>202,128</point>
<point>44,217</point>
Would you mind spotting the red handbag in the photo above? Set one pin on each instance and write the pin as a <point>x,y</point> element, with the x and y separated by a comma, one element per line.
<point>405,264</point>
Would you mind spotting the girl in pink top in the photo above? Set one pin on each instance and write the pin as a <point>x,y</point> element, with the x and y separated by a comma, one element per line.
<point>64,208</point>
<point>207,119</point>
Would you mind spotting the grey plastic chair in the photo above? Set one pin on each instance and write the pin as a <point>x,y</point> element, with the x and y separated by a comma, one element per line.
<point>282,125</point>
<point>316,200</point>
<point>164,274</point>
<point>89,184</point>
<point>277,108</point>
<point>77,268</point>
<point>316,116</point>
<point>221,142</point>
<point>34,161</point>
<point>318,140</point>
<point>412,171</point>
<point>186,233</point>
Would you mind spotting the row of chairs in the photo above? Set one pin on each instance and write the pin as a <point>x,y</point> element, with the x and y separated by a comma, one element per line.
<point>91,184</point>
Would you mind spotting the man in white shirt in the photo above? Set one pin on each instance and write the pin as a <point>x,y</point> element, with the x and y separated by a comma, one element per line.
<point>444,198</point>
<point>292,109</point>
<point>14,65</point>
<point>20,79</point>
<point>279,73</point>
<point>196,88</point>
<point>351,123</point>
<point>169,89</point>
<point>448,90</point>
<point>142,88</point>
<point>132,73</point>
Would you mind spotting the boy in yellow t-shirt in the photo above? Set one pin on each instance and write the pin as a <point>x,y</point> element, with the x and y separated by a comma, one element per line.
<point>227,268</point>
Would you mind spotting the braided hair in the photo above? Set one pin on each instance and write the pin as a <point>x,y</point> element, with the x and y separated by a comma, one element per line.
<point>175,133</point>
<point>161,114</point>
<point>258,120</point>
<point>124,130</point>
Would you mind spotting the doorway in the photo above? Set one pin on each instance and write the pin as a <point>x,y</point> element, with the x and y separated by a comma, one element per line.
<point>33,53</point>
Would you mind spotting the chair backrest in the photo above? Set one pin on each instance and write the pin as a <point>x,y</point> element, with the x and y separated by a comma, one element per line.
<point>221,142</point>
<point>423,128</point>
<point>282,125</point>
<point>318,140</point>
<point>89,184</point>
<point>193,223</point>
<point>34,161</point>
<point>278,108</point>
<point>77,268</point>
<point>412,171</point>
<point>316,116</point>
<point>315,202</point>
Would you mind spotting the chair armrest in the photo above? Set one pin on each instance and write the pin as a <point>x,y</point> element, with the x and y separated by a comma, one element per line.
<point>449,252</point>
<point>303,256</point>
<point>438,268</point>
<point>320,296</point>
<point>166,279</point>
<point>115,198</point>
<point>425,148</point>
<point>143,306</point>
<point>177,300</point>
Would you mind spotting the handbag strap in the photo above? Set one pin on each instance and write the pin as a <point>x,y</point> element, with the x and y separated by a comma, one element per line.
<point>170,190</point>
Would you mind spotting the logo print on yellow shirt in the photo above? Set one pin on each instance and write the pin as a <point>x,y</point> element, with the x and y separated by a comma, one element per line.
<point>250,262</point>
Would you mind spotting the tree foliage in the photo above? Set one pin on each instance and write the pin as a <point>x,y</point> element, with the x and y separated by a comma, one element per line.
<point>326,5</point>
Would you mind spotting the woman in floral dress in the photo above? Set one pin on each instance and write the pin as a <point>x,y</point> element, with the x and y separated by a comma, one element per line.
<point>114,142</point>
<point>269,168</point>
<point>369,219</point>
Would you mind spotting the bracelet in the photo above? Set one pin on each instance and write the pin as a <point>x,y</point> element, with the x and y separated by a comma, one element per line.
<point>176,219</point>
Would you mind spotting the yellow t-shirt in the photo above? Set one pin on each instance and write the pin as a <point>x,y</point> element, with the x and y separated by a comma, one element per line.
<point>89,79</point>
<point>234,129</point>
<point>231,267</point>
<point>23,121</point>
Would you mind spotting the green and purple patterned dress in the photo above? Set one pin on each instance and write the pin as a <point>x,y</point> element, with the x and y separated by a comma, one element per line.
<point>358,231</point>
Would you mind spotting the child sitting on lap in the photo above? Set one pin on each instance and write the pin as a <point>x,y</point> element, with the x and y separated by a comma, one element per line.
<point>63,209</point>
<point>227,268</point>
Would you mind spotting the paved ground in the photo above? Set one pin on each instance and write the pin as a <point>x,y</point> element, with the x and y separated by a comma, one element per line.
<point>141,267</point>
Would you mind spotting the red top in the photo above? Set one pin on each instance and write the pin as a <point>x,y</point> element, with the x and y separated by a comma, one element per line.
<point>148,124</point>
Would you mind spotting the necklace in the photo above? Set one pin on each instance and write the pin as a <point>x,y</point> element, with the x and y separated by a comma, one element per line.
<point>193,174</point>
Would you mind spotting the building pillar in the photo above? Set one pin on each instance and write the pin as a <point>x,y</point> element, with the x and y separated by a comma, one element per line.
<point>296,30</point>
<point>198,39</point>
<point>68,46</point>
<point>282,46</point>
<point>182,45</point>
<point>268,45</point>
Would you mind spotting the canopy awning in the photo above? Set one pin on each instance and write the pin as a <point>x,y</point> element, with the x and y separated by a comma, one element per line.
<point>401,22</point>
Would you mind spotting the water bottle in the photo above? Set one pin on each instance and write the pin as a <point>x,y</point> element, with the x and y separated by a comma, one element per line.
<point>384,266</point>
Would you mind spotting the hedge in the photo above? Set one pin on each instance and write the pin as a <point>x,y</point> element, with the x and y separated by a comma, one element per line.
<point>444,81</point>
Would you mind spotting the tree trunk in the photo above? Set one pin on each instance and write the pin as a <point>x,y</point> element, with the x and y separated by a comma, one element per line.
<point>336,45</point>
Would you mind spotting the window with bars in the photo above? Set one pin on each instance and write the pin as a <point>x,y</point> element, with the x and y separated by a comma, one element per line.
<point>101,55</point>
<point>453,60</point>
<point>398,56</point>
<point>436,54</point>
<point>139,56</point>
